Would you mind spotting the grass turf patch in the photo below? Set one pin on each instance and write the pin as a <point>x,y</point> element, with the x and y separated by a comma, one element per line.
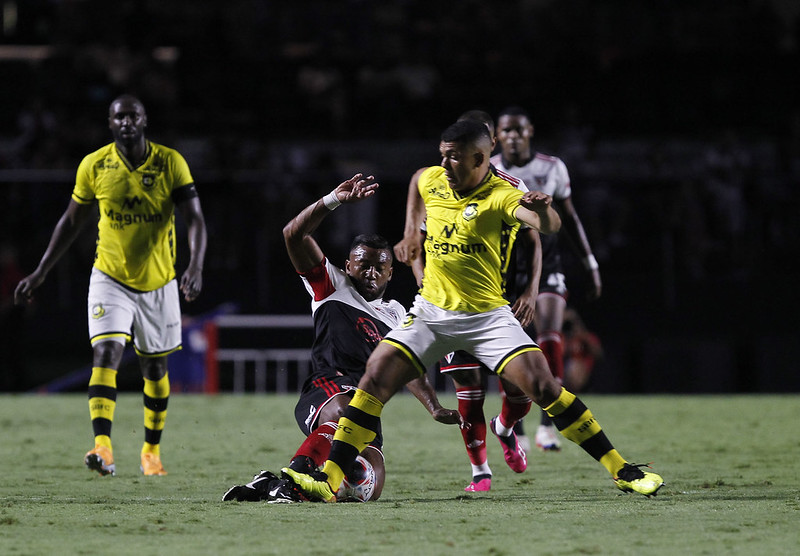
<point>729,463</point>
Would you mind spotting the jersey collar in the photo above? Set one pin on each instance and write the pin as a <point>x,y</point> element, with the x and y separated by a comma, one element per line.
<point>478,187</point>
<point>128,165</point>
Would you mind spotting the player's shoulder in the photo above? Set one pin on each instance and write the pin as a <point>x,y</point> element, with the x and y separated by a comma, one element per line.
<point>163,151</point>
<point>544,157</point>
<point>431,172</point>
<point>100,153</point>
<point>514,181</point>
<point>97,160</point>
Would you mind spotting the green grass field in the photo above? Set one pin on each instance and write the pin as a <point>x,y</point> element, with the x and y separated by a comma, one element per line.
<point>730,463</point>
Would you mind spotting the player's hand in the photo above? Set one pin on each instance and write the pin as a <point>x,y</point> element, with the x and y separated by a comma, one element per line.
<point>191,283</point>
<point>407,249</point>
<point>23,293</point>
<point>524,309</point>
<point>356,188</point>
<point>450,417</point>
<point>536,201</point>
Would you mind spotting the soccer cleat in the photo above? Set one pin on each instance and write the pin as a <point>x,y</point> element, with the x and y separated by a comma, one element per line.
<point>284,491</point>
<point>151,465</point>
<point>101,460</point>
<point>632,479</point>
<point>256,490</point>
<point>313,485</point>
<point>484,485</point>
<point>548,438</point>
<point>512,451</point>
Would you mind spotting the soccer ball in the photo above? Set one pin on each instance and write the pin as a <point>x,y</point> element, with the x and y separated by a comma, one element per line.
<point>359,484</point>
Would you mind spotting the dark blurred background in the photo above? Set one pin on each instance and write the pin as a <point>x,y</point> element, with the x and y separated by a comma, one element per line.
<point>679,122</point>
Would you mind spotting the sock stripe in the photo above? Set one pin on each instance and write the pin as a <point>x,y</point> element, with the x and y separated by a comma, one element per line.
<point>155,404</point>
<point>564,400</point>
<point>154,420</point>
<point>98,391</point>
<point>569,415</point>
<point>102,376</point>
<point>367,404</point>
<point>581,429</point>
<point>157,388</point>
<point>597,446</point>
<point>351,429</point>
<point>102,408</point>
<point>101,426</point>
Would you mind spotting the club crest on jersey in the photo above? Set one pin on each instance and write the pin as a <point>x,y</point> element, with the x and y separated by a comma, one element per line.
<point>470,212</point>
<point>148,180</point>
<point>369,330</point>
<point>98,311</point>
<point>540,180</point>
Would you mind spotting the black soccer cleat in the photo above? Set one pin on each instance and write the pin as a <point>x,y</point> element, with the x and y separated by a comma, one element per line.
<point>255,491</point>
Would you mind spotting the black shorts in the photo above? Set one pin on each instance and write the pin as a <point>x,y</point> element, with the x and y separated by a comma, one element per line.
<point>317,392</point>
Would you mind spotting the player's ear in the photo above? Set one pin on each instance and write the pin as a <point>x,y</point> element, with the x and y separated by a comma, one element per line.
<point>479,158</point>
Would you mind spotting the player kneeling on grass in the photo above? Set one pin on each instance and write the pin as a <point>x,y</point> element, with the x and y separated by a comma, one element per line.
<point>350,319</point>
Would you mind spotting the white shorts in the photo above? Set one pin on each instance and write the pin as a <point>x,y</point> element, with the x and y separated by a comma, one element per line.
<point>117,313</point>
<point>430,332</point>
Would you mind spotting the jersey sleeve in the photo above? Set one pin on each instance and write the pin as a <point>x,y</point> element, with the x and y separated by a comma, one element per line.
<point>318,282</point>
<point>83,193</point>
<point>181,176</point>
<point>509,203</point>
<point>563,188</point>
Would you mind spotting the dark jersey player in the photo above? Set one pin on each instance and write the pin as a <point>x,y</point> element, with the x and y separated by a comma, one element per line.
<point>350,319</point>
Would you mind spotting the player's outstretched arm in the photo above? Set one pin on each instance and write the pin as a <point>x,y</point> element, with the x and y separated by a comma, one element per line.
<point>303,250</point>
<point>580,243</point>
<point>65,232</point>
<point>424,392</point>
<point>536,210</point>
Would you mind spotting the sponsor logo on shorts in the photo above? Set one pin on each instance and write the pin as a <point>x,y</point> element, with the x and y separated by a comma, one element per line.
<point>98,311</point>
<point>312,410</point>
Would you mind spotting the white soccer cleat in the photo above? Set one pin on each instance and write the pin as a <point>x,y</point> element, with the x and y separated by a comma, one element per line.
<point>548,439</point>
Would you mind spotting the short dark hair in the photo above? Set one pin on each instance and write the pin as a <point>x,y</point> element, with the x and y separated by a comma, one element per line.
<point>374,241</point>
<point>478,116</point>
<point>514,111</point>
<point>465,131</point>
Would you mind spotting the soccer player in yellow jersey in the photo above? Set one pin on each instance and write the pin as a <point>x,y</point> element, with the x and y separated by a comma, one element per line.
<point>133,293</point>
<point>469,212</point>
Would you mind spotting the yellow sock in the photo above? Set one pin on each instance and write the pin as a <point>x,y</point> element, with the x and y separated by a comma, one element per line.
<point>156,397</point>
<point>357,428</point>
<point>102,403</point>
<point>575,422</point>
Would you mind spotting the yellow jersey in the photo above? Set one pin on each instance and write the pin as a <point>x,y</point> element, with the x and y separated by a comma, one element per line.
<point>468,241</point>
<point>136,229</point>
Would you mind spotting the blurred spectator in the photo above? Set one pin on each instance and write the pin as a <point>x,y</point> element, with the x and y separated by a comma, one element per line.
<point>582,350</point>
